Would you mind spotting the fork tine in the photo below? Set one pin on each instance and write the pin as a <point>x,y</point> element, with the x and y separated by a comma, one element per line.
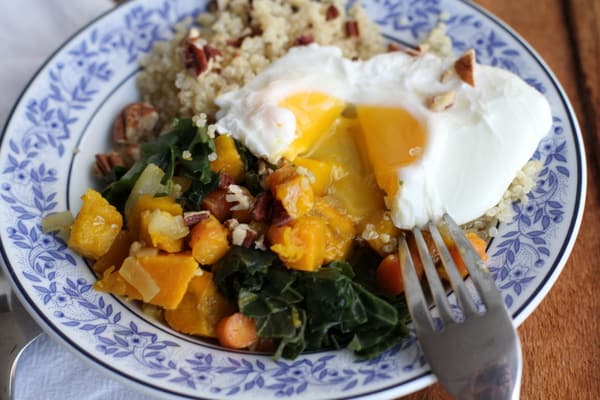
<point>415,299</point>
<point>478,271</point>
<point>464,297</point>
<point>435,284</point>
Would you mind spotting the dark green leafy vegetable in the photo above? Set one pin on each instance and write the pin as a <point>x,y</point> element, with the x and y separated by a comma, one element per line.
<point>310,310</point>
<point>166,152</point>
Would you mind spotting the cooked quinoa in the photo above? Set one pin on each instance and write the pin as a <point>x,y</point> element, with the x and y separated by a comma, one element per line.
<point>250,35</point>
<point>264,31</point>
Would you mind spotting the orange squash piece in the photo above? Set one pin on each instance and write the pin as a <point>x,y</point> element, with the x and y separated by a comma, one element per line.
<point>209,241</point>
<point>201,309</point>
<point>116,254</point>
<point>300,244</point>
<point>340,232</point>
<point>292,190</point>
<point>381,233</point>
<point>170,272</point>
<point>95,227</point>
<point>149,203</point>
<point>228,158</point>
<point>162,230</point>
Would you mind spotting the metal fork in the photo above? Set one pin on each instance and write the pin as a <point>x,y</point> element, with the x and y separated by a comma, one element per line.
<point>17,331</point>
<point>477,356</point>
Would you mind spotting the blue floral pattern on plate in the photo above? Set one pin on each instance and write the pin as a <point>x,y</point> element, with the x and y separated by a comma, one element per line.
<point>42,137</point>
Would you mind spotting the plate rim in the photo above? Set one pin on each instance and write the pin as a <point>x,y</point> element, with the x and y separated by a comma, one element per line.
<point>416,383</point>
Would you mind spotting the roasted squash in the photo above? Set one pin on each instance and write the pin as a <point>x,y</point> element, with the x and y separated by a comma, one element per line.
<point>170,273</point>
<point>228,159</point>
<point>116,254</point>
<point>95,227</point>
<point>201,309</point>
<point>162,230</point>
<point>146,202</point>
<point>340,231</point>
<point>300,244</point>
<point>209,241</point>
<point>292,190</point>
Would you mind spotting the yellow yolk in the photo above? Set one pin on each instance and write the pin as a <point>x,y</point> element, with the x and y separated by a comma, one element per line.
<point>393,139</point>
<point>314,112</point>
<point>353,187</point>
<point>352,159</point>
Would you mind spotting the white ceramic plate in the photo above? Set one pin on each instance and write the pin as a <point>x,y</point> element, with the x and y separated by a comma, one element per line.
<point>63,118</point>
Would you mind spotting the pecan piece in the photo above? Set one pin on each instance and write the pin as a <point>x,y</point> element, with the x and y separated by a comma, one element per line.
<point>225,180</point>
<point>191,218</point>
<point>393,47</point>
<point>465,67</point>
<point>135,122</point>
<point>106,162</point>
<point>304,40</point>
<point>279,215</point>
<point>211,52</point>
<point>332,12</point>
<point>216,203</point>
<point>194,58</point>
<point>352,29</point>
<point>441,102</point>
<point>262,207</point>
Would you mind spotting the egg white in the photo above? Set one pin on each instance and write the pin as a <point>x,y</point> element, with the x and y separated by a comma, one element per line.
<point>474,148</point>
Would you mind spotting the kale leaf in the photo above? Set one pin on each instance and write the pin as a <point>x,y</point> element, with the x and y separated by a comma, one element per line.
<point>167,152</point>
<point>301,311</point>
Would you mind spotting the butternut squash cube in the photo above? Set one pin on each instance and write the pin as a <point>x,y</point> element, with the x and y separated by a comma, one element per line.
<point>228,158</point>
<point>381,233</point>
<point>292,190</point>
<point>95,227</point>
<point>300,244</point>
<point>201,309</point>
<point>320,173</point>
<point>340,231</point>
<point>162,230</point>
<point>209,241</point>
<point>171,273</point>
<point>116,254</point>
<point>146,202</point>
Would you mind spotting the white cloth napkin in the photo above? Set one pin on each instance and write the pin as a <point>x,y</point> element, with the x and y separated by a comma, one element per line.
<point>30,30</point>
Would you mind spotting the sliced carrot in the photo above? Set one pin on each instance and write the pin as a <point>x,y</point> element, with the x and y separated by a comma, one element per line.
<point>389,275</point>
<point>237,331</point>
<point>478,243</point>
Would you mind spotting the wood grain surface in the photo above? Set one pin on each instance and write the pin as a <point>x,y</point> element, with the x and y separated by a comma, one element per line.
<point>561,339</point>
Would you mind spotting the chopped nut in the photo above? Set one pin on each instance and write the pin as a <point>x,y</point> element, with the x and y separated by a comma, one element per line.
<point>133,152</point>
<point>393,47</point>
<point>262,207</point>
<point>211,52</point>
<point>238,42</point>
<point>135,122</point>
<point>418,51</point>
<point>303,40</point>
<point>225,180</point>
<point>259,244</point>
<point>241,234</point>
<point>279,215</point>
<point>441,102</point>
<point>332,12</point>
<point>446,76</point>
<point>106,162</point>
<point>239,196</point>
<point>191,218</point>
<point>194,58</point>
<point>352,29</point>
<point>465,67</point>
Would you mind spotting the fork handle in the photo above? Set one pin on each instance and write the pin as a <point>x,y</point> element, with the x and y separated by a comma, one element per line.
<point>498,381</point>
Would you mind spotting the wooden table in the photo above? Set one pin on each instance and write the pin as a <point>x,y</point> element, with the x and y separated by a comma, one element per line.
<point>561,339</point>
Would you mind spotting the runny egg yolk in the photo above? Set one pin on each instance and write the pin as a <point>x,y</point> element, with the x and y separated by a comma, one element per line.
<point>353,157</point>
